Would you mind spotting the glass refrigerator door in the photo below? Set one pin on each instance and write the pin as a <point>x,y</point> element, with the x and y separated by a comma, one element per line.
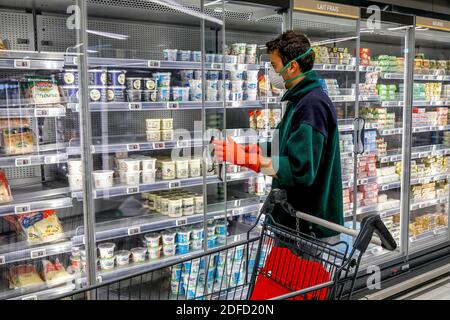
<point>335,43</point>
<point>428,219</point>
<point>380,188</point>
<point>38,218</point>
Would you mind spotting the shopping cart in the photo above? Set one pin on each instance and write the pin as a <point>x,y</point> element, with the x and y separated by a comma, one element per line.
<point>279,263</point>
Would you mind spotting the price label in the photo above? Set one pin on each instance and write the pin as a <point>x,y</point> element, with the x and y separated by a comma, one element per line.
<point>131,190</point>
<point>370,68</point>
<point>159,145</point>
<point>385,187</point>
<point>133,147</point>
<point>350,68</point>
<point>183,143</point>
<point>39,253</point>
<point>154,63</point>
<point>49,159</point>
<point>181,222</point>
<point>237,211</point>
<point>2,260</point>
<point>33,297</point>
<point>75,60</point>
<point>340,67</point>
<point>174,184</point>
<point>22,64</point>
<point>387,76</point>
<point>400,104</point>
<point>440,78</point>
<point>446,78</point>
<point>22,208</point>
<point>272,100</point>
<point>134,230</point>
<point>237,203</point>
<point>217,66</point>
<point>41,112</point>
<point>22,162</point>
<point>135,106</point>
<point>173,105</point>
<point>327,67</point>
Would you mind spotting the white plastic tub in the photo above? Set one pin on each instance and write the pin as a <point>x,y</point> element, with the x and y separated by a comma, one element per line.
<point>148,176</point>
<point>75,166</point>
<point>122,257</point>
<point>148,164</point>
<point>132,178</point>
<point>153,124</point>
<point>138,254</point>
<point>106,250</point>
<point>131,165</point>
<point>75,181</point>
<point>103,178</point>
<point>152,239</point>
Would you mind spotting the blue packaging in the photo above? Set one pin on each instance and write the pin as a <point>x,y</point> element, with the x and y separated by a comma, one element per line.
<point>198,74</point>
<point>182,248</point>
<point>115,94</point>
<point>183,55</point>
<point>221,228</point>
<point>212,241</point>
<point>187,74</point>
<point>71,93</point>
<point>212,75</point>
<point>221,239</point>
<point>164,94</point>
<point>210,57</point>
<point>69,77</point>
<point>97,93</point>
<point>116,78</point>
<point>196,56</point>
<point>98,77</point>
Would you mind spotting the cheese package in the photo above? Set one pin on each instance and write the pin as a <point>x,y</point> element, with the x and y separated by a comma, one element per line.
<point>54,272</point>
<point>38,227</point>
<point>41,90</point>
<point>5,191</point>
<point>16,141</point>
<point>24,276</point>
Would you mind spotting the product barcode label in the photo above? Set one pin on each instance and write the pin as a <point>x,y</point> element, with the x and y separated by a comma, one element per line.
<point>135,106</point>
<point>370,68</point>
<point>237,211</point>
<point>75,60</point>
<point>216,66</point>
<point>174,184</point>
<point>237,203</point>
<point>22,64</point>
<point>340,67</point>
<point>173,105</point>
<point>387,76</point>
<point>39,253</point>
<point>446,78</point>
<point>131,190</point>
<point>2,260</point>
<point>327,67</point>
<point>134,230</point>
<point>350,68</point>
<point>181,222</point>
<point>154,63</point>
<point>22,208</point>
<point>272,100</point>
<point>385,187</point>
<point>133,147</point>
<point>159,145</point>
<point>41,112</point>
<point>33,297</point>
<point>21,162</point>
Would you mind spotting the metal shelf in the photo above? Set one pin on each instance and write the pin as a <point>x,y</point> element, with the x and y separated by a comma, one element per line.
<point>25,206</point>
<point>417,77</point>
<point>416,103</point>
<point>396,185</point>
<point>38,112</point>
<point>156,222</point>
<point>428,234</point>
<point>31,63</point>
<point>143,106</point>
<point>343,67</point>
<point>32,160</point>
<point>415,205</point>
<point>122,190</point>
<point>417,153</point>
<point>158,64</point>
<point>349,183</point>
<point>44,292</point>
<point>374,209</point>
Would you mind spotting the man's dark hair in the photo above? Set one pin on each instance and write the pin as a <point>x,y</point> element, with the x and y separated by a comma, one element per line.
<point>290,45</point>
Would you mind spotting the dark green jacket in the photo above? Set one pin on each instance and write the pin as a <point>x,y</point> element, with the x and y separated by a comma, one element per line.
<point>308,163</point>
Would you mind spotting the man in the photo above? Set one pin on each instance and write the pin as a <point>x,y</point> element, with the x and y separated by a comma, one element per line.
<point>307,164</point>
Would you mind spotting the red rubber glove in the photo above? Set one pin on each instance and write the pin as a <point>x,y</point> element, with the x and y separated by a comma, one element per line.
<point>232,152</point>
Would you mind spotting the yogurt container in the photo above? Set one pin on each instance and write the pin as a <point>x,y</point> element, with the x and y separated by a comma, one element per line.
<point>195,84</point>
<point>106,263</point>
<point>175,208</point>
<point>150,95</point>
<point>212,84</point>
<point>164,208</point>
<point>196,56</point>
<point>241,58</point>
<point>250,85</point>
<point>152,240</point>
<point>182,248</point>
<point>230,59</point>
<point>122,257</point>
<point>151,201</point>
<point>212,75</point>
<point>134,83</point>
<point>138,254</point>
<point>250,59</point>
<point>198,75</point>
<point>221,227</point>
<point>187,74</point>
<point>71,93</point>
<point>154,253</point>
<point>196,245</point>
<point>198,204</point>
<point>182,169</point>
<point>134,95</point>
<point>148,164</point>
<point>250,95</point>
<point>180,94</point>
<point>75,263</point>
<point>196,94</point>
<point>148,176</point>
<point>212,241</point>
<point>153,124</point>
<point>75,181</point>
<point>236,75</point>
<point>103,178</point>
<point>132,178</point>
<point>194,167</point>
<point>169,250</point>
<point>177,288</point>
<point>115,94</point>
<point>224,84</point>
<point>98,77</point>
<point>218,58</point>
<point>97,93</point>
<point>251,75</point>
<point>162,79</point>
<point>221,239</point>
<point>153,135</point>
<point>238,48</point>
<point>148,84</point>
<point>168,237</point>
<point>250,49</point>
<point>106,250</point>
<point>184,55</point>
<point>69,77</point>
<point>188,205</point>
<point>131,165</point>
<point>170,54</point>
<point>163,94</point>
<point>236,96</point>
<point>116,77</point>
<point>210,57</point>
<point>183,235</point>
<point>197,232</point>
<point>211,95</point>
<point>166,169</point>
<point>167,135</point>
<point>211,227</point>
<point>166,123</point>
<point>75,166</point>
<point>237,85</point>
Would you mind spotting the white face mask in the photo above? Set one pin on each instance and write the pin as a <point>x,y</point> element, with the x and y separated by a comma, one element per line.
<point>275,79</point>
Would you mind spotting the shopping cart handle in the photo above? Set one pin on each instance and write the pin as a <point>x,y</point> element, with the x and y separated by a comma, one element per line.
<point>370,225</point>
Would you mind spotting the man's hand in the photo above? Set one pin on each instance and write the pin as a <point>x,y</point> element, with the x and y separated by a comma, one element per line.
<point>232,152</point>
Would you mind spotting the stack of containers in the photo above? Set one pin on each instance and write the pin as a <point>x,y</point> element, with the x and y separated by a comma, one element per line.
<point>381,147</point>
<point>370,144</point>
<point>245,53</point>
<point>330,86</point>
<point>346,198</point>
<point>387,92</point>
<point>387,175</point>
<point>369,194</point>
<point>159,129</point>
<point>419,117</point>
<point>346,143</point>
<point>116,85</point>
<point>162,80</point>
<point>442,116</point>
<point>75,174</point>
<point>141,89</point>
<point>367,166</point>
<point>251,85</point>
<point>129,170</point>
<point>419,91</point>
<point>153,243</point>
<point>78,259</point>
<point>446,91</point>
